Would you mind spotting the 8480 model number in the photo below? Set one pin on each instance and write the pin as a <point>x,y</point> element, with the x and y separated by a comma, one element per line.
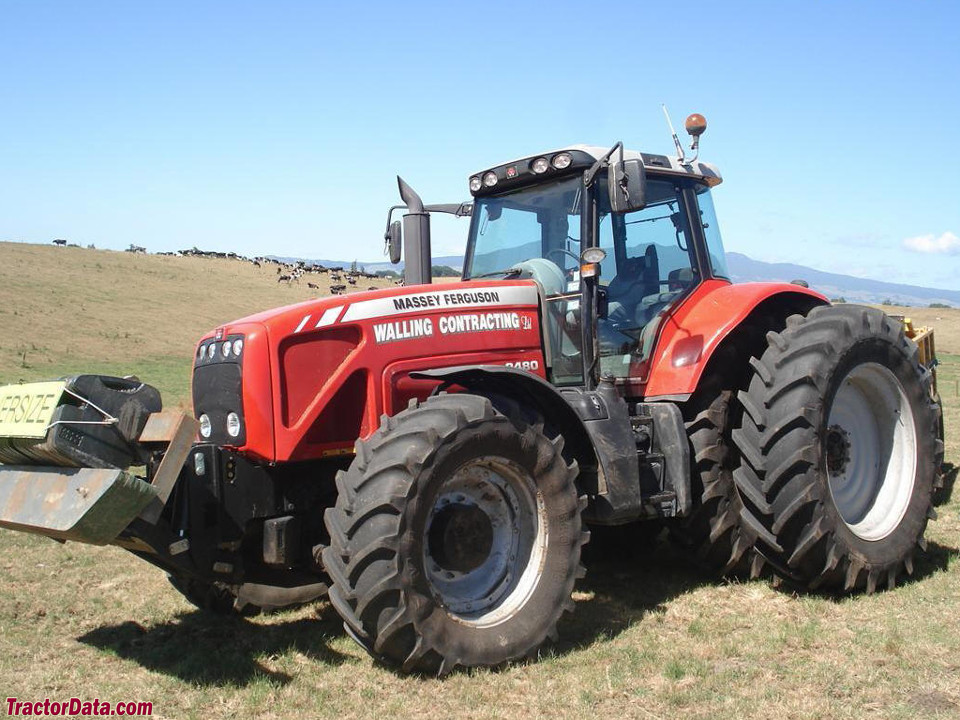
<point>530,365</point>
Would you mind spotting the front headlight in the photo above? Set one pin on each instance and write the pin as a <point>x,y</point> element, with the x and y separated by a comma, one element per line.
<point>205,427</point>
<point>233,425</point>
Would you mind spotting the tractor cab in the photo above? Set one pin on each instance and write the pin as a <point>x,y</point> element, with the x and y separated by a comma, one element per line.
<point>545,216</point>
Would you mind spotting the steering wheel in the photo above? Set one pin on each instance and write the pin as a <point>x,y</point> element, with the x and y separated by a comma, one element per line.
<point>569,272</point>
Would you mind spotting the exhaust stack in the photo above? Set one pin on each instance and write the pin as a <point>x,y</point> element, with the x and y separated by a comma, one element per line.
<point>416,238</point>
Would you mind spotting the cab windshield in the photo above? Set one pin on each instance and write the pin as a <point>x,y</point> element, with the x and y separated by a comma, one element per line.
<point>542,221</point>
<point>651,263</point>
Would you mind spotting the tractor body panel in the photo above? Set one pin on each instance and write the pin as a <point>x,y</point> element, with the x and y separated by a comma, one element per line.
<point>694,329</point>
<point>312,378</point>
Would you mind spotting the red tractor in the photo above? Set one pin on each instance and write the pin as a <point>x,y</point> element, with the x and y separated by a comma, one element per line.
<point>431,456</point>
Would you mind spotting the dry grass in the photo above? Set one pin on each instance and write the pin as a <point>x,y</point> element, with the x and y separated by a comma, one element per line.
<point>945,321</point>
<point>67,308</point>
<point>652,637</point>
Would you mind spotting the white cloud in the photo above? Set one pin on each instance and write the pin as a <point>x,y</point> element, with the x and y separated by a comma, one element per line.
<point>946,244</point>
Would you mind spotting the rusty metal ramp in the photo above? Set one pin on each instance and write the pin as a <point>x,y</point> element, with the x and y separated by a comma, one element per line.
<point>80,504</point>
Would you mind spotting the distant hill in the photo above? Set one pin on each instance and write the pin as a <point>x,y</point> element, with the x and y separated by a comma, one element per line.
<point>454,261</point>
<point>746,269</point>
<point>66,310</point>
<point>833,285</point>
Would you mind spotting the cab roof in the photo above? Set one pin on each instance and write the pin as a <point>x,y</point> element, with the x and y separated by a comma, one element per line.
<point>519,171</point>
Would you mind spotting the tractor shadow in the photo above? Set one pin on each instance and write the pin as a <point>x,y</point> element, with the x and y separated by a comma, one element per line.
<point>214,651</point>
<point>935,559</point>
<point>627,583</point>
<point>629,578</point>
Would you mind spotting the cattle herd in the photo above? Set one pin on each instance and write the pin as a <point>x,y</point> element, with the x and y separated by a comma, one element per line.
<point>292,272</point>
<point>287,272</point>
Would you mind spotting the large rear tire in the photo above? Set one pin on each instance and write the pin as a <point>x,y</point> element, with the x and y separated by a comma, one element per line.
<point>456,538</point>
<point>839,449</point>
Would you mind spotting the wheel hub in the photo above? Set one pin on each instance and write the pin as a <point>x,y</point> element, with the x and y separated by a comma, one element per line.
<point>461,537</point>
<point>838,450</point>
<point>485,531</point>
<point>870,451</point>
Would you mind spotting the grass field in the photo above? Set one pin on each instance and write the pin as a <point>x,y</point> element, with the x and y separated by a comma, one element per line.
<point>652,637</point>
<point>64,309</point>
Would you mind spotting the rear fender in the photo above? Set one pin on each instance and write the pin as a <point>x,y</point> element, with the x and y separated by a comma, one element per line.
<point>691,334</point>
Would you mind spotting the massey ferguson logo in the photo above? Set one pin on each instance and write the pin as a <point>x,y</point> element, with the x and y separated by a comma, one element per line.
<point>447,299</point>
<point>439,300</point>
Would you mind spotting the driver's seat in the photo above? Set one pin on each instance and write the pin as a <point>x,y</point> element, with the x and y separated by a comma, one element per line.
<point>638,278</point>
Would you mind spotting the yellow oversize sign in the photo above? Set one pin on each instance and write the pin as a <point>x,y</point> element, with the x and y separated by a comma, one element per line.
<point>27,410</point>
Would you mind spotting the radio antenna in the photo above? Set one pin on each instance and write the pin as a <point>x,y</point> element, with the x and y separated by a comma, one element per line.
<point>673,134</point>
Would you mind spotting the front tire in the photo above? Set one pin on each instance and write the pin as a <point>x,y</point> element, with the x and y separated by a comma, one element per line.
<point>456,538</point>
<point>839,449</point>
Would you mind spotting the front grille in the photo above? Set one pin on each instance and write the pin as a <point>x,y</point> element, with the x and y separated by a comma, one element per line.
<point>218,391</point>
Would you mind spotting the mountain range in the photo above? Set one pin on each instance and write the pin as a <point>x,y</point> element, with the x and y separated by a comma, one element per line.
<point>834,285</point>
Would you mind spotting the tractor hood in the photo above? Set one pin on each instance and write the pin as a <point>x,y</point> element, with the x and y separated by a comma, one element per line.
<point>306,380</point>
<point>323,312</point>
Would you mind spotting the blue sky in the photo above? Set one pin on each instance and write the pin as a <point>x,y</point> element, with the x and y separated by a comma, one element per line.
<point>278,128</point>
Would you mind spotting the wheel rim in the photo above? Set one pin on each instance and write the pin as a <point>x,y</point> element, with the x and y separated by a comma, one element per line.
<point>870,451</point>
<point>485,540</point>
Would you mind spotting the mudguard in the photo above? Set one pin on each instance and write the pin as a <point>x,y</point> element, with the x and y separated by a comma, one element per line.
<point>691,333</point>
<point>519,383</point>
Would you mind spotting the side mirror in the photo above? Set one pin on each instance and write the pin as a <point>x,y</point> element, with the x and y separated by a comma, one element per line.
<point>394,240</point>
<point>627,186</point>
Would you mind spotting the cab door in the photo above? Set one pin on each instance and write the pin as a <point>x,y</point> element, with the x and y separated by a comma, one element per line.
<point>652,264</point>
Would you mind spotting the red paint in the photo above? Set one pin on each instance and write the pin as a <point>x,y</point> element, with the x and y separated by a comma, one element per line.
<point>695,328</point>
<point>333,383</point>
